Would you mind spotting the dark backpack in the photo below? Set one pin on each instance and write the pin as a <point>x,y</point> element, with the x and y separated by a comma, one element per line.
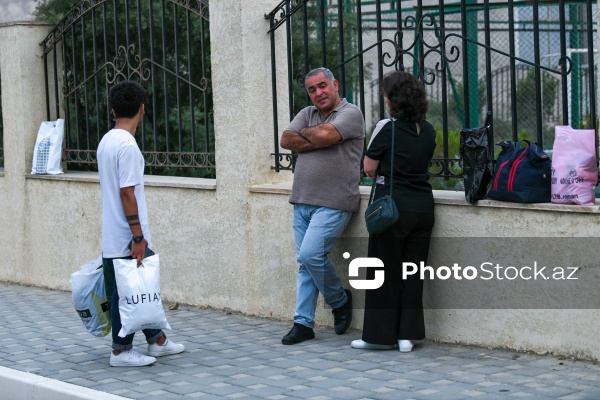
<point>523,174</point>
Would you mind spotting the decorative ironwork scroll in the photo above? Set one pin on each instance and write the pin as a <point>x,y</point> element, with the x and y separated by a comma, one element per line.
<point>179,160</point>
<point>282,12</point>
<point>444,54</point>
<point>199,7</point>
<point>127,65</point>
<point>101,42</point>
<point>80,156</point>
<point>419,42</point>
<point>152,159</point>
<point>286,161</point>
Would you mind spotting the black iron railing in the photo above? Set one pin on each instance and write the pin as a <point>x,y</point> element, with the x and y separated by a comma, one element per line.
<point>526,61</point>
<point>163,44</point>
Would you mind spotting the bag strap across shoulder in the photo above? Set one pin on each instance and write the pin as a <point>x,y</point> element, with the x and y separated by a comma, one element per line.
<point>392,166</point>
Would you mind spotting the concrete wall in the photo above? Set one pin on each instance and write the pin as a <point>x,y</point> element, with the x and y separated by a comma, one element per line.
<point>228,243</point>
<point>22,110</point>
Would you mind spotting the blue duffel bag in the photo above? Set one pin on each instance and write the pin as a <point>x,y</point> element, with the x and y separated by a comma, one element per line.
<point>523,174</point>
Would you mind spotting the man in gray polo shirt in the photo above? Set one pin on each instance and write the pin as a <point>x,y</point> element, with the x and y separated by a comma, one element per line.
<point>329,139</point>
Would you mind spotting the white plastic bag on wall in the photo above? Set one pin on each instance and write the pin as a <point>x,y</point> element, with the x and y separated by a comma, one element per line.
<point>48,148</point>
<point>140,305</point>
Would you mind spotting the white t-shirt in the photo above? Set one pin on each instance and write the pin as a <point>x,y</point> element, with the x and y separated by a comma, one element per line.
<point>120,164</point>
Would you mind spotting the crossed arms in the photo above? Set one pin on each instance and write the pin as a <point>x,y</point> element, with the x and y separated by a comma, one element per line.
<point>311,138</point>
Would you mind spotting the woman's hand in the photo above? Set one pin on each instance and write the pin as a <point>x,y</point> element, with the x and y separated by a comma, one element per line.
<point>370,166</point>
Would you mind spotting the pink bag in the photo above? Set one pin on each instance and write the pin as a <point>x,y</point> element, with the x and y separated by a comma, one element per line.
<point>574,169</point>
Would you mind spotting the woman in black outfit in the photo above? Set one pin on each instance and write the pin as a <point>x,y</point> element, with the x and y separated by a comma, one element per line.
<point>394,312</point>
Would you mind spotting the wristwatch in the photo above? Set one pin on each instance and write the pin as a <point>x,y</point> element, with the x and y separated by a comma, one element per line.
<point>138,239</point>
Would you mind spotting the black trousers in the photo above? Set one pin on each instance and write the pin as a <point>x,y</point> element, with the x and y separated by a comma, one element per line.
<point>395,310</point>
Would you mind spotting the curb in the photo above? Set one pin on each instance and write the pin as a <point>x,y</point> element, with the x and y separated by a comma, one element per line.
<point>19,385</point>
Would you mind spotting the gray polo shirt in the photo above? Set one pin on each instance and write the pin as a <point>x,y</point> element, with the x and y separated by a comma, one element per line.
<point>329,177</point>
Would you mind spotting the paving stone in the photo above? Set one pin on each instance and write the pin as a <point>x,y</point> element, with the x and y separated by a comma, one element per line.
<point>266,391</point>
<point>554,391</point>
<point>233,356</point>
<point>114,385</point>
<point>163,395</point>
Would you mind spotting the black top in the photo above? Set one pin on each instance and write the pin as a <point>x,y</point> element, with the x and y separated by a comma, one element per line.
<point>412,191</point>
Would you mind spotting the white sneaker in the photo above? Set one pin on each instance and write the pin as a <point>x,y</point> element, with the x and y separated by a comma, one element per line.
<point>361,344</point>
<point>130,358</point>
<point>156,350</point>
<point>405,345</point>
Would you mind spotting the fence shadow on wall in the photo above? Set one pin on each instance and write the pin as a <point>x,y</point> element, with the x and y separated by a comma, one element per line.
<point>164,45</point>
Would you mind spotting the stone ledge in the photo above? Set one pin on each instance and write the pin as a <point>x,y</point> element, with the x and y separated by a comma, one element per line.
<point>449,197</point>
<point>446,197</point>
<point>149,180</point>
<point>458,198</point>
<point>25,23</point>
<point>278,188</point>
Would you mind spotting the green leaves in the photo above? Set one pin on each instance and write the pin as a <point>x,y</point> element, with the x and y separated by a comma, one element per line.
<point>162,44</point>
<point>312,31</point>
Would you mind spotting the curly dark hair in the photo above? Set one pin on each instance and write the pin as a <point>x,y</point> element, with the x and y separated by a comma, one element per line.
<point>126,98</point>
<point>406,95</point>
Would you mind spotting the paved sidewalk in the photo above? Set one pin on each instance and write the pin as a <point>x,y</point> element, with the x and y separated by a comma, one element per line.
<point>234,356</point>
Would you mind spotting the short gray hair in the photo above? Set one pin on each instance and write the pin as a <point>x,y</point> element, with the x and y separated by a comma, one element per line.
<point>326,71</point>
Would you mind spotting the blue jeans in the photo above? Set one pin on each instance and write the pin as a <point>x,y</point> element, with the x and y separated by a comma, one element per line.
<point>119,343</point>
<point>316,230</point>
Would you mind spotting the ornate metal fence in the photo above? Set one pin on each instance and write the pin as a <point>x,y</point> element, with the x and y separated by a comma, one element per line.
<point>163,44</point>
<point>513,58</point>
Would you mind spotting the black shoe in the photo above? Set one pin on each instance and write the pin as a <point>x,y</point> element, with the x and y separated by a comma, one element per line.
<point>342,316</point>
<point>298,333</point>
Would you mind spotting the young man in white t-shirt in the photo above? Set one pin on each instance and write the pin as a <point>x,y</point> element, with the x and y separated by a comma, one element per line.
<point>125,232</point>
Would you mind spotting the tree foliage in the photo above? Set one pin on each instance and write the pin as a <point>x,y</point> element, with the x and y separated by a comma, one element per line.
<point>310,29</point>
<point>52,11</point>
<point>159,43</point>
<point>526,105</point>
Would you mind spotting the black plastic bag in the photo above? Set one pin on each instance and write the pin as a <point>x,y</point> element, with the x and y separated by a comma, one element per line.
<point>477,160</point>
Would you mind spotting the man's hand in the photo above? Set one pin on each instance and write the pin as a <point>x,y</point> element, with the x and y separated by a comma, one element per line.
<point>138,250</point>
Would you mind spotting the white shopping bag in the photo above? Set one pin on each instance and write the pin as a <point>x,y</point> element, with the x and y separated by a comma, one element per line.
<point>89,297</point>
<point>48,148</point>
<point>140,305</point>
